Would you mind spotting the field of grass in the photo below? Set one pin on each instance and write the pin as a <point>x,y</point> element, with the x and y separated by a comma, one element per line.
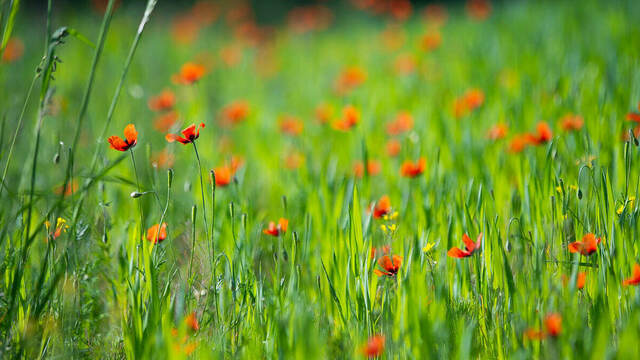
<point>347,152</point>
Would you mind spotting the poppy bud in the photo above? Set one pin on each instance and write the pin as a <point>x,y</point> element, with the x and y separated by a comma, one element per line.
<point>212,177</point>
<point>170,177</point>
<point>136,194</point>
<point>579,194</point>
<point>56,158</point>
<point>194,211</point>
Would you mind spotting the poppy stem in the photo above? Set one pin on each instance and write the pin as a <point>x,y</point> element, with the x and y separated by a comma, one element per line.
<point>204,208</point>
<point>135,171</point>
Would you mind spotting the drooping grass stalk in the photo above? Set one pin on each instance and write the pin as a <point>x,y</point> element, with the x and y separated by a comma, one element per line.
<point>204,207</point>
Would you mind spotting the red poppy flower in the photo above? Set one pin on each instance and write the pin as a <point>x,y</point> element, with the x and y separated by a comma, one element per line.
<point>13,50</point>
<point>571,122</point>
<point>405,64</point>
<point>350,118</point>
<point>543,134</point>
<point>635,278</point>
<point>435,14</point>
<point>291,125</point>
<point>581,280</point>
<point>497,132</point>
<point>374,346</point>
<point>192,322</point>
<point>389,266</point>
<point>350,79</point>
<point>410,169</point>
<point>553,324</point>
<point>431,41</point>
<point>373,168</point>
<point>163,101</point>
<point>518,143</point>
<point>469,101</point>
<point>393,37</point>
<point>152,233</point>
<point>165,121</point>
<point>635,117</point>
<point>393,147</point>
<point>71,188</point>
<point>225,173</point>
<point>587,246</point>
<point>131,139</point>
<point>276,230</point>
<point>382,250</point>
<point>189,74</point>
<point>402,123</point>
<point>382,208</point>
<point>470,247</point>
<point>190,135</point>
<point>478,9</point>
<point>235,112</point>
<point>162,159</point>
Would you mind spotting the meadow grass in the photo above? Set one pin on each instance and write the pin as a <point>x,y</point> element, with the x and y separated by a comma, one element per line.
<point>95,284</point>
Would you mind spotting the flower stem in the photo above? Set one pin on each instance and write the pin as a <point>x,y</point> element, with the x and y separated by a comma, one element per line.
<point>204,208</point>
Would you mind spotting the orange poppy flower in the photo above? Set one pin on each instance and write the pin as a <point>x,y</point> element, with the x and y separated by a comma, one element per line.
<point>157,232</point>
<point>162,159</point>
<point>191,133</point>
<point>587,246</point>
<point>533,334</point>
<point>581,280</point>
<point>635,278</point>
<point>235,112</point>
<point>400,9</point>
<point>401,124</point>
<point>382,208</point>
<point>431,41</point>
<point>276,230</point>
<point>192,322</point>
<point>571,122</point>
<point>291,125</point>
<point>224,174</point>
<point>518,143</point>
<point>553,324</point>
<point>435,14</point>
<point>388,266</point>
<point>350,118</point>
<point>469,101</point>
<point>635,117</point>
<point>393,147</point>
<point>13,50</point>
<point>374,346</point>
<point>373,168</point>
<point>478,9</point>
<point>470,247</point>
<point>543,134</point>
<point>70,189</point>
<point>164,101</point>
<point>405,64</point>
<point>131,139</point>
<point>308,18</point>
<point>293,160</point>
<point>349,79</point>
<point>189,74</point>
<point>165,121</point>
<point>410,169</point>
<point>382,250</point>
<point>393,37</point>
<point>497,132</point>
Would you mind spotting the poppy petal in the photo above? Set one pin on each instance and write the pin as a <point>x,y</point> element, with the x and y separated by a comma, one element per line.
<point>131,134</point>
